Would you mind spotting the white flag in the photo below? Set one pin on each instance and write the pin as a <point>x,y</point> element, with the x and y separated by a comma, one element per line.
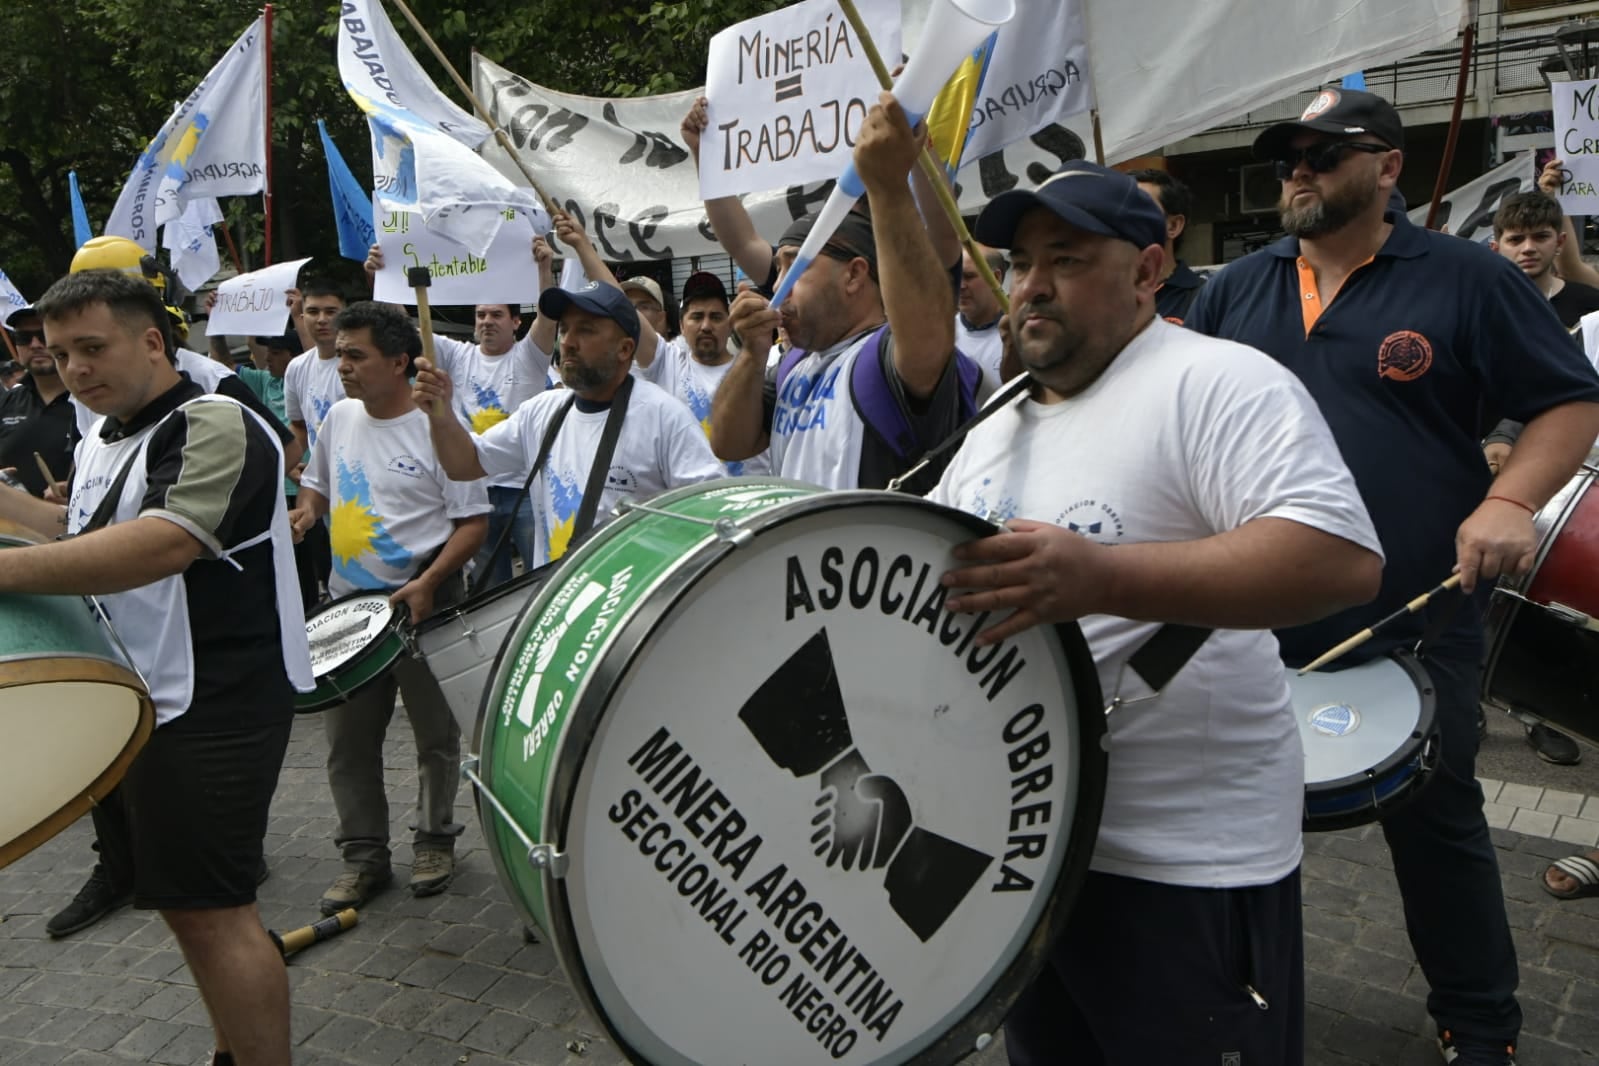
<point>190,244</point>
<point>1037,75</point>
<point>422,144</point>
<point>10,298</point>
<point>213,145</point>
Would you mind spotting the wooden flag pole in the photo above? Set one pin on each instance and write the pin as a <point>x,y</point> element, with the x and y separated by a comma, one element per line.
<point>477,105</point>
<point>931,167</point>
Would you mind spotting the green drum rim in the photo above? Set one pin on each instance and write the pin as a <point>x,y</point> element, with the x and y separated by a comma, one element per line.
<point>357,672</point>
<point>541,898</point>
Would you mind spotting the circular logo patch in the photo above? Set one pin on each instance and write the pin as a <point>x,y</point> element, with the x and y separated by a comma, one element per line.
<point>1326,100</point>
<point>1335,720</point>
<point>1405,355</point>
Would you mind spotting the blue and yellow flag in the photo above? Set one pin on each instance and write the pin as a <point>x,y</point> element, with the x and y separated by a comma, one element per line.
<point>352,205</point>
<point>950,118</point>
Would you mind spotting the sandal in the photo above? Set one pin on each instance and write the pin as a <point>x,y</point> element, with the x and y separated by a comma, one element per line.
<point>1581,869</point>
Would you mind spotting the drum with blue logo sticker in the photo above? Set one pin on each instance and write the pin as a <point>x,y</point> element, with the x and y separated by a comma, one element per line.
<point>1370,739</point>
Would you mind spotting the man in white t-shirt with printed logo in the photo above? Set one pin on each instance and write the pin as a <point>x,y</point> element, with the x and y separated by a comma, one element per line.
<point>401,528</point>
<point>494,376</point>
<point>659,446</point>
<point>1211,473</point>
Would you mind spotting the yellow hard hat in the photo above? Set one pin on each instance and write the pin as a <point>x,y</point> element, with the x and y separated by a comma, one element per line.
<point>119,253</point>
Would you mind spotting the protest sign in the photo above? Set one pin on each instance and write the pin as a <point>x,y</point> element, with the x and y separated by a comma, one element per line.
<point>1577,142</point>
<point>787,93</point>
<point>505,274</point>
<point>254,304</point>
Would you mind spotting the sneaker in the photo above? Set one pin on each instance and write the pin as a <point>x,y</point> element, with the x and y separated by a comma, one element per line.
<point>96,899</point>
<point>431,871</point>
<point>1468,1051</point>
<point>353,888</point>
<point>1553,745</point>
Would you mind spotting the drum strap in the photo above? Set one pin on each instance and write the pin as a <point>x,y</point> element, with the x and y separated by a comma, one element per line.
<point>602,460</point>
<point>1160,657</point>
<point>545,445</point>
<point>1012,389</point>
<point>107,511</point>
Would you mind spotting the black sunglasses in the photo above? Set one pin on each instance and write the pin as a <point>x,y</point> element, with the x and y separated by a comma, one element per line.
<point>1322,158</point>
<point>25,337</point>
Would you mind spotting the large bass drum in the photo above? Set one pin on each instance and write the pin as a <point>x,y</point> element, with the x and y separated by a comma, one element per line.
<point>1543,628</point>
<point>770,802</point>
<point>73,710</point>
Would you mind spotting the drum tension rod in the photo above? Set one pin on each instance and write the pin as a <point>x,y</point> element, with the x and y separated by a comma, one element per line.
<point>1568,615</point>
<point>543,857</point>
<point>725,528</point>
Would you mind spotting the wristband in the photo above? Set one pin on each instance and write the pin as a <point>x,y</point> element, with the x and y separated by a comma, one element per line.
<point>1507,499</point>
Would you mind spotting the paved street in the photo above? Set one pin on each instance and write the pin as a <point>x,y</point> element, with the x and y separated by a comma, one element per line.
<point>449,980</point>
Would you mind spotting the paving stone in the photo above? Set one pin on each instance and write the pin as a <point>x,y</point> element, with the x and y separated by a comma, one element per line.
<point>1499,814</point>
<point>453,1017</point>
<point>143,1042</point>
<point>191,1045</point>
<point>1555,801</point>
<point>1590,808</point>
<point>469,980</point>
<point>340,1033</point>
<point>498,1032</point>
<point>1513,795</point>
<point>1490,788</point>
<point>428,971</point>
<point>1577,831</point>
<point>1534,823</point>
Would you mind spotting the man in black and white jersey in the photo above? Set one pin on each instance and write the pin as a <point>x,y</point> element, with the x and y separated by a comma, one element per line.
<point>174,520</point>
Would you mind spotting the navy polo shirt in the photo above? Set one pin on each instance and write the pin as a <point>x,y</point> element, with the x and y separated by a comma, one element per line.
<point>1176,294</point>
<point>1422,343</point>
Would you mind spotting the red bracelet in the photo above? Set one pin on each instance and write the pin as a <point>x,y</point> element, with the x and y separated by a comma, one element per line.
<point>1507,499</point>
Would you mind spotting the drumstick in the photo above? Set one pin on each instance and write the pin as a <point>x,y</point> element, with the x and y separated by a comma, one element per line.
<point>44,468</point>
<point>1377,627</point>
<point>303,937</point>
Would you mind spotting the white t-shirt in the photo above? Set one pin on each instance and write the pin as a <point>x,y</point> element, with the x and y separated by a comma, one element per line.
<point>661,447</point>
<point>489,387</point>
<point>816,434</point>
<point>695,384</point>
<point>1183,437</point>
<point>984,347</point>
<point>390,503</point>
<point>311,386</point>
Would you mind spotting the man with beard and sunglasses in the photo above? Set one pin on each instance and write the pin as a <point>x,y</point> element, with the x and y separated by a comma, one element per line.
<point>1404,337</point>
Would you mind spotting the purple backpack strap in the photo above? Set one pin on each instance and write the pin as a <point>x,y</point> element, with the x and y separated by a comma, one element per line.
<point>880,408</point>
<point>786,365</point>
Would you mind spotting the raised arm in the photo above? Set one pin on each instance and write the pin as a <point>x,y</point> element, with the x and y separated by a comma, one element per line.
<point>734,229</point>
<point>916,292</point>
<point>572,235</point>
<point>433,392</point>
<point>542,332</point>
<point>738,418</point>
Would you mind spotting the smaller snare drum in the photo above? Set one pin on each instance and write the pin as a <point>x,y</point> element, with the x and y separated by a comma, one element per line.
<point>354,641</point>
<point>1370,739</point>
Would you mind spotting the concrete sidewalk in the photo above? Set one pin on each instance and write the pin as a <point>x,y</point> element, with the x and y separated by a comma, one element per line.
<point>449,980</point>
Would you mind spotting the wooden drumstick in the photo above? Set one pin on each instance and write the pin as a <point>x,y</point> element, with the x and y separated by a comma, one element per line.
<point>1378,626</point>
<point>303,937</point>
<point>44,468</point>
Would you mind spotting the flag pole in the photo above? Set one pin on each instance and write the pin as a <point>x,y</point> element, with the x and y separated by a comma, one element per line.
<point>930,165</point>
<point>550,206</point>
<point>233,251</point>
<point>267,124</point>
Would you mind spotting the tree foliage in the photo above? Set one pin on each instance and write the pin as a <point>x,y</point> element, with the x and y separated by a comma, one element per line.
<point>85,86</point>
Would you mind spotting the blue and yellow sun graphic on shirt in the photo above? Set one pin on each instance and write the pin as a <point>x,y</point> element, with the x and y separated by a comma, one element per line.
<point>320,406</point>
<point>357,533</point>
<point>567,496</point>
<point>490,410</point>
<point>699,404</point>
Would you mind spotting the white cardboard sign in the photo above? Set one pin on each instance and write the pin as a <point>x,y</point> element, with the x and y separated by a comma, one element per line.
<point>787,94</point>
<point>1576,105</point>
<point>254,304</point>
<point>505,274</point>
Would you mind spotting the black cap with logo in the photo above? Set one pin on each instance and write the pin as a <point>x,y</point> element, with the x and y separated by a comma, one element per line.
<point>1342,112</point>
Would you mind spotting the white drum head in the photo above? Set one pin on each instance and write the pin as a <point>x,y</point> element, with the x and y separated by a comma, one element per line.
<point>1353,720</point>
<point>60,737</point>
<point>341,631</point>
<point>700,808</point>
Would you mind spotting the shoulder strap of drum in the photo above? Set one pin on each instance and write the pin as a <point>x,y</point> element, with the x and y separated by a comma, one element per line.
<point>106,513</point>
<point>1166,652</point>
<point>602,459</point>
<point>545,445</point>
<point>1000,399</point>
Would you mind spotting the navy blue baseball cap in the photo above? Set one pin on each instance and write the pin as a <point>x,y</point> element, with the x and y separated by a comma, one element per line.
<point>596,298</point>
<point>1087,195</point>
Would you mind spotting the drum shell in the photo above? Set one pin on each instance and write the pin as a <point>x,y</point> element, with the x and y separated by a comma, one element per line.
<point>540,791</point>
<point>55,657</point>
<point>358,671</point>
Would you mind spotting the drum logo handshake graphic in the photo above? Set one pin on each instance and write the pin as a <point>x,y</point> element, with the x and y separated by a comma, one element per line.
<point>863,819</point>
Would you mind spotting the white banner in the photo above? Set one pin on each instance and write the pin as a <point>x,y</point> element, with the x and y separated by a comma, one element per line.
<point>1038,75</point>
<point>10,297</point>
<point>1576,105</point>
<point>254,304</point>
<point>422,156</point>
<point>506,274</point>
<point>213,145</point>
<point>787,93</point>
<point>1469,210</point>
<point>620,168</point>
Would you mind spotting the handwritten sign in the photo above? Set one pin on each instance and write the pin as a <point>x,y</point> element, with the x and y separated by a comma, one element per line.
<point>787,94</point>
<point>1577,141</point>
<point>505,274</point>
<point>254,304</point>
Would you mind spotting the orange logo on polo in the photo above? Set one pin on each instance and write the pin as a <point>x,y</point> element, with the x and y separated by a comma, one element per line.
<point>1405,355</point>
<point>1326,100</point>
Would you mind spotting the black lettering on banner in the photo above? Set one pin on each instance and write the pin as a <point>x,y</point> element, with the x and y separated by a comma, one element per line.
<point>531,123</point>
<point>605,219</point>
<point>1060,142</point>
<point>801,199</point>
<point>663,151</point>
<point>1487,206</point>
<point>643,227</point>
